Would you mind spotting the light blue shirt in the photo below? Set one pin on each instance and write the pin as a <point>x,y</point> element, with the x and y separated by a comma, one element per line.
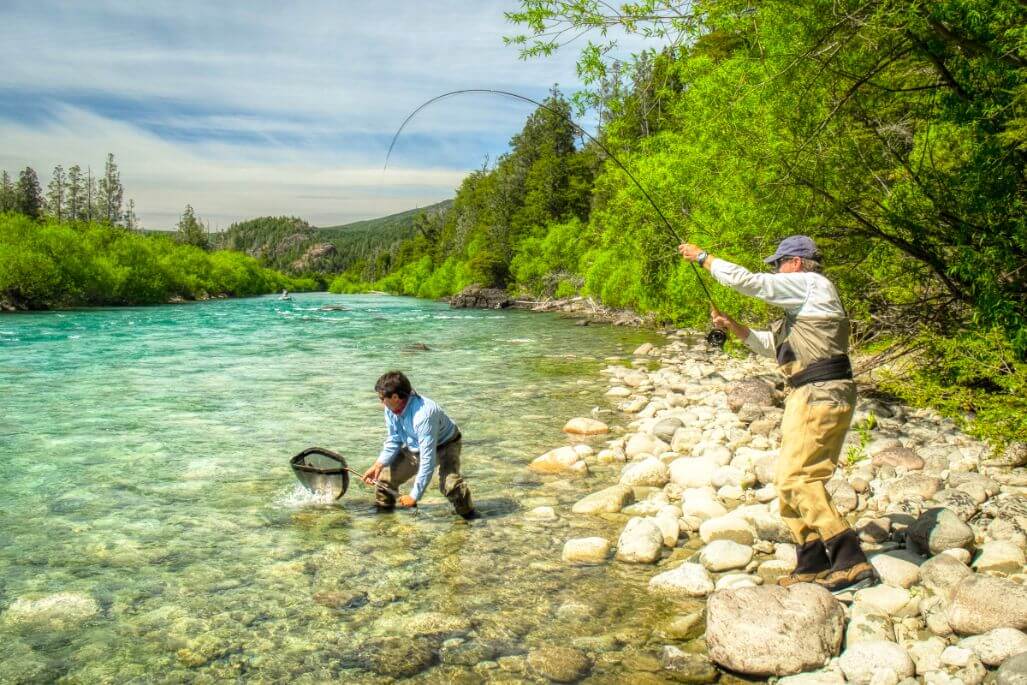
<point>422,427</point>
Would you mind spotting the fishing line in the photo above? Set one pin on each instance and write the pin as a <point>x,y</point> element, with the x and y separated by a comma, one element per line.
<point>583,132</point>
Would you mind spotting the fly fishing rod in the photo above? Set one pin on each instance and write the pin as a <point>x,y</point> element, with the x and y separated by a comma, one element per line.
<point>714,339</point>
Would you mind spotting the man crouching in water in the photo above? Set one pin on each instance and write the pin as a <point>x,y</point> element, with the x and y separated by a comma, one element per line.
<point>419,435</point>
<point>811,345</point>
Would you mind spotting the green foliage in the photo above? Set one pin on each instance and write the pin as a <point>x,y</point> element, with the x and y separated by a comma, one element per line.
<point>191,231</point>
<point>59,264</point>
<point>857,453</point>
<point>974,376</point>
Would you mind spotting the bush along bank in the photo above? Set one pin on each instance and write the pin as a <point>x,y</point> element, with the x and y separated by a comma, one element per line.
<point>53,264</point>
<point>942,517</point>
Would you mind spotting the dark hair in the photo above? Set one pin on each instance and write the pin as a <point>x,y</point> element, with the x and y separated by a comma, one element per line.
<point>393,383</point>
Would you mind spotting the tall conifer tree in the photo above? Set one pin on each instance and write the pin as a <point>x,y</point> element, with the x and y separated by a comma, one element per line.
<point>29,196</point>
<point>6,192</point>
<point>56,192</point>
<point>74,197</point>
<point>109,200</point>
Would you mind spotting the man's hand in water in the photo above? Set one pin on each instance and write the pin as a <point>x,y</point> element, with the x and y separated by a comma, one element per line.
<point>406,501</point>
<point>372,474</point>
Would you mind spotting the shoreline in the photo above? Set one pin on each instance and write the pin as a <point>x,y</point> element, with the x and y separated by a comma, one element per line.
<point>943,520</point>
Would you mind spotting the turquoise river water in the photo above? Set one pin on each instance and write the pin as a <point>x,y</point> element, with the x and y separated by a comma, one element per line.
<point>144,468</point>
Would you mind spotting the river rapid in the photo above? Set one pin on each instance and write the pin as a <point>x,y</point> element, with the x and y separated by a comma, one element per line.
<point>152,530</point>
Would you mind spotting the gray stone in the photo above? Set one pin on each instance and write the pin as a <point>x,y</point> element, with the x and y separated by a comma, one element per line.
<point>559,664</point>
<point>899,457</point>
<point>861,662</point>
<point>868,627</point>
<point>641,541</point>
<point>913,485</point>
<point>1014,456</point>
<point>751,391</point>
<point>1013,671</point>
<point>962,504</point>
<point>926,654</point>
<point>649,472</point>
<point>898,568</point>
<point>772,630</point>
<point>729,527</point>
<point>937,530</point>
<point>940,574</point>
<point>664,429</point>
<point>725,555</point>
<point>995,646</point>
<point>982,603</point>
<point>687,580</point>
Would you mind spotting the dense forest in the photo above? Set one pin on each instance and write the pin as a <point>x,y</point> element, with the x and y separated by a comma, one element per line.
<point>79,245</point>
<point>894,133</point>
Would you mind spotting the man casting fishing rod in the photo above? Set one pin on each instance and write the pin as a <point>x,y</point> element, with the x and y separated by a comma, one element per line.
<point>811,344</point>
<point>419,435</point>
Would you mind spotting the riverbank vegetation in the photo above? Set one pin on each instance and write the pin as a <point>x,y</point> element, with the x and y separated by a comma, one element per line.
<point>893,133</point>
<point>50,264</point>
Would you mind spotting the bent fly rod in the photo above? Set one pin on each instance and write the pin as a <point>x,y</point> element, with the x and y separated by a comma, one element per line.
<point>716,336</point>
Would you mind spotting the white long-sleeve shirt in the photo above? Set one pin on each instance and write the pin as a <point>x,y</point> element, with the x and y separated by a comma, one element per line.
<point>800,294</point>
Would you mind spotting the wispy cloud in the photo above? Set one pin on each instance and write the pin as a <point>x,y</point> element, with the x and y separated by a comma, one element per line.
<point>254,108</point>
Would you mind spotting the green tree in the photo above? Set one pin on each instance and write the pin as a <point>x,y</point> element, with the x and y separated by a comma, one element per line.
<point>110,193</point>
<point>56,192</point>
<point>7,193</point>
<point>28,194</point>
<point>129,219</point>
<point>75,195</point>
<point>191,231</point>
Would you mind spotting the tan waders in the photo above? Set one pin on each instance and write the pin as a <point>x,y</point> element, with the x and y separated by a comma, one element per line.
<point>451,483</point>
<point>816,419</point>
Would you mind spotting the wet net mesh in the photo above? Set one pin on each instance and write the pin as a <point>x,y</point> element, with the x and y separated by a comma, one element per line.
<point>321,471</point>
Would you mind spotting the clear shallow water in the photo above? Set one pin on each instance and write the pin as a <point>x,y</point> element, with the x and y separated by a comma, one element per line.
<point>144,463</point>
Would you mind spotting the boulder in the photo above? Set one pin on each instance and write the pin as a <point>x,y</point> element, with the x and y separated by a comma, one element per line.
<point>995,646</point>
<point>898,457</point>
<point>1014,456</point>
<point>640,542</point>
<point>982,603</point>
<point>476,297</point>
<point>937,530</point>
<point>586,550</point>
<point>565,460</point>
<point>730,527</point>
<point>891,601</point>
<point>913,485</point>
<point>607,501</point>
<point>650,472</point>
<point>926,654</point>
<point>774,569</point>
<point>559,664</point>
<point>685,667</point>
<point>864,661</point>
<point>585,426</point>
<point>773,630</point>
<point>702,508</point>
<point>1013,671</point>
<point>664,429</point>
<point>999,556</point>
<point>868,627</point>
<point>687,580</point>
<point>725,555</point>
<point>692,472</point>
<point>940,574</point>
<point>667,521</point>
<point>752,391</point>
<point>897,568</point>
<point>643,443</point>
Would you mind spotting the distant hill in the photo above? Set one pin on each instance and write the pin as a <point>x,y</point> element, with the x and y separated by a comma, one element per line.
<point>292,245</point>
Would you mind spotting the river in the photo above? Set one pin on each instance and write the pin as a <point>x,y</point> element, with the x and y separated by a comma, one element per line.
<point>150,513</point>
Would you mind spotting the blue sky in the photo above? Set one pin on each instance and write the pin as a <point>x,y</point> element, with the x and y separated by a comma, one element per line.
<point>252,108</point>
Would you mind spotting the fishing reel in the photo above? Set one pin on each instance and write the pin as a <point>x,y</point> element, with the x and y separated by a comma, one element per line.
<point>716,338</point>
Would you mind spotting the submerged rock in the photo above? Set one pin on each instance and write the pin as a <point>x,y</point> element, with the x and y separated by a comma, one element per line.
<point>561,460</point>
<point>60,611</point>
<point>687,580</point>
<point>397,657</point>
<point>559,664</point>
<point>772,630</point>
<point>586,550</point>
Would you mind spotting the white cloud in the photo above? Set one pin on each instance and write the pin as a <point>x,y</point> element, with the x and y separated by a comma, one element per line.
<point>260,107</point>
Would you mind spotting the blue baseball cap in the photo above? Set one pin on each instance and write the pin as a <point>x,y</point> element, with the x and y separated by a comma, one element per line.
<point>795,246</point>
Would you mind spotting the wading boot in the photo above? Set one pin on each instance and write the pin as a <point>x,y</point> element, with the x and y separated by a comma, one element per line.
<point>812,562</point>
<point>850,569</point>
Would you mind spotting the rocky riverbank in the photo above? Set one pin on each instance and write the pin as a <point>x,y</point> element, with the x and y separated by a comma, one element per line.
<point>942,518</point>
